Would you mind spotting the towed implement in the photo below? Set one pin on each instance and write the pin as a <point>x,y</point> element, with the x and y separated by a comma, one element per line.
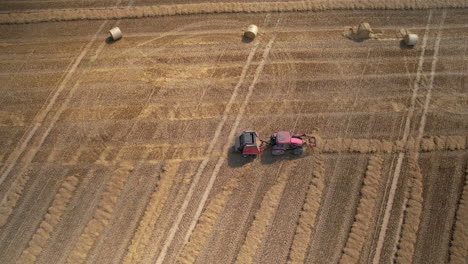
<point>251,145</point>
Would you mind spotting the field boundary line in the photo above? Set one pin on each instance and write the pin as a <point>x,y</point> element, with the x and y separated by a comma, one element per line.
<point>216,8</point>
<point>396,174</point>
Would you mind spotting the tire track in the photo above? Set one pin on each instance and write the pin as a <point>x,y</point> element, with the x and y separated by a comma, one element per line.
<point>51,219</point>
<point>205,224</point>
<point>412,206</point>
<point>412,213</point>
<point>363,219</point>
<point>396,174</point>
<point>42,115</point>
<point>231,136</point>
<point>102,216</point>
<point>265,214</point>
<point>15,191</point>
<point>306,224</point>
<point>165,221</point>
<point>459,243</point>
<point>204,163</point>
<point>435,58</point>
<point>152,213</point>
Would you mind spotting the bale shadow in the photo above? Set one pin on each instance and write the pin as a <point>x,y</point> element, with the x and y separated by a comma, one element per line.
<point>404,46</point>
<point>110,40</point>
<point>246,39</point>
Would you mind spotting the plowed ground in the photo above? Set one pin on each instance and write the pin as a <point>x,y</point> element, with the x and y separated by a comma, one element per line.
<point>142,129</point>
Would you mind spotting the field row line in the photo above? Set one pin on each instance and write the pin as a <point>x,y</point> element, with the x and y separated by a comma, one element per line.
<point>103,214</point>
<point>130,36</point>
<point>410,217</point>
<point>142,236</point>
<point>210,68</point>
<point>363,221</point>
<point>50,220</point>
<point>427,144</point>
<point>40,117</point>
<point>206,223</point>
<point>394,179</point>
<point>207,111</point>
<point>188,196</point>
<point>213,8</point>
<point>233,130</point>
<point>194,82</point>
<point>306,224</point>
<point>459,243</point>
<point>103,154</point>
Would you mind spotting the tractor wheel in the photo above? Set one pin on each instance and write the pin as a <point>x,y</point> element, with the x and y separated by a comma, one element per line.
<point>298,151</point>
<point>277,152</point>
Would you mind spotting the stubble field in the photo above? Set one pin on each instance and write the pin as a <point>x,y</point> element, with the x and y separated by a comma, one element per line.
<point>119,152</point>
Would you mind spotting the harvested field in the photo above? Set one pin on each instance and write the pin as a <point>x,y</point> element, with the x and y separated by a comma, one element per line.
<point>119,152</point>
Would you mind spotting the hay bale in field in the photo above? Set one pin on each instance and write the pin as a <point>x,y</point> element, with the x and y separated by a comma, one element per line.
<point>251,31</point>
<point>361,32</point>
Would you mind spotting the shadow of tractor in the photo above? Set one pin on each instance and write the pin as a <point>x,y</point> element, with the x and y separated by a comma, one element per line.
<point>235,159</point>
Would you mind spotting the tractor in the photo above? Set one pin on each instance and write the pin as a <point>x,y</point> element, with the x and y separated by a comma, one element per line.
<point>250,144</point>
<point>282,142</point>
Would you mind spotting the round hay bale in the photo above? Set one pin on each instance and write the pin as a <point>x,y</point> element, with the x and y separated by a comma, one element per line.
<point>115,33</point>
<point>251,31</point>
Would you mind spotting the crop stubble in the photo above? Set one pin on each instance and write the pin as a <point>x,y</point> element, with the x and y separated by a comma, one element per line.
<point>102,147</point>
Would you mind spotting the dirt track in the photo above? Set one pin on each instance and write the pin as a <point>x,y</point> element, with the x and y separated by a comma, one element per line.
<point>118,152</point>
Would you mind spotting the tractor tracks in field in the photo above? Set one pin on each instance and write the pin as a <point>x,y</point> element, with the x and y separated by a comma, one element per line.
<point>413,202</point>
<point>15,190</point>
<point>50,220</point>
<point>393,180</point>
<point>221,160</point>
<point>363,220</point>
<point>40,117</point>
<point>307,219</point>
<point>459,243</point>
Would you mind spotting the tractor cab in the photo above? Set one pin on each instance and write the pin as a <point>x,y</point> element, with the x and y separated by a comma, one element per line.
<point>247,144</point>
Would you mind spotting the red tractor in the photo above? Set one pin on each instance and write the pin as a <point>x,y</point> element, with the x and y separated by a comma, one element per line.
<point>283,142</point>
<point>251,145</point>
